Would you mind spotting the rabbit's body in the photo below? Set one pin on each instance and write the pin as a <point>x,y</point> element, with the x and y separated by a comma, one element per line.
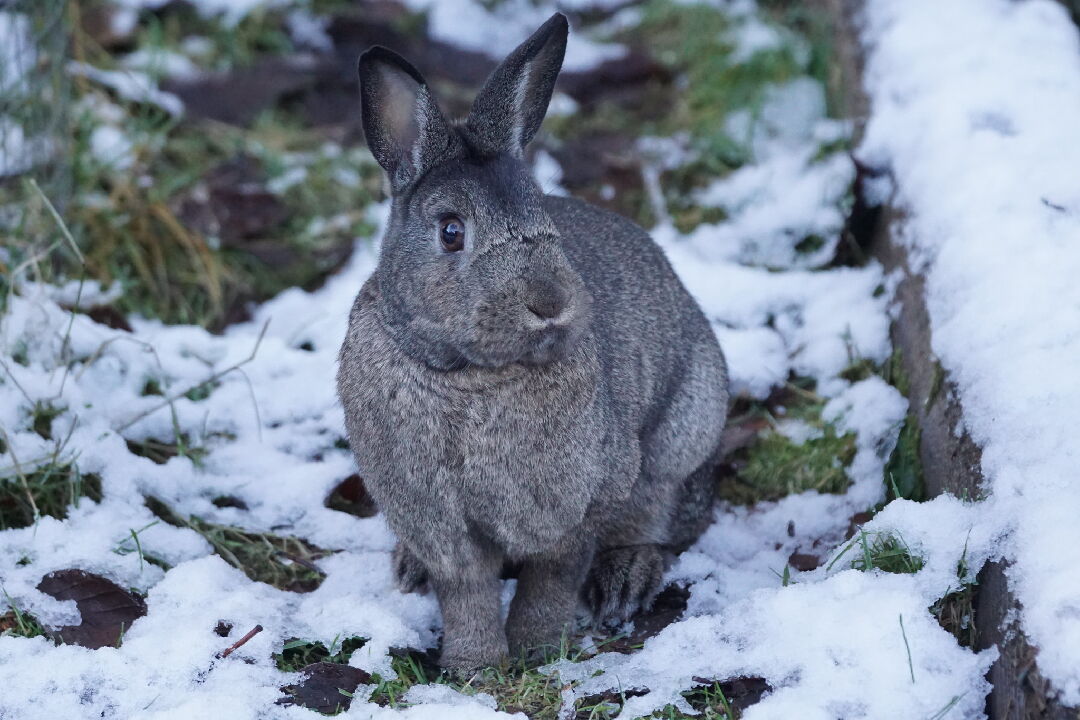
<point>522,455</point>
<point>548,395</point>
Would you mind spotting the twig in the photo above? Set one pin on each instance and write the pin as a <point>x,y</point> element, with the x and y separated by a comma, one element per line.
<point>229,650</point>
<point>169,400</point>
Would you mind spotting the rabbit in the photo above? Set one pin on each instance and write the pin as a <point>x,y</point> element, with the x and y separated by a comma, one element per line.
<point>524,378</point>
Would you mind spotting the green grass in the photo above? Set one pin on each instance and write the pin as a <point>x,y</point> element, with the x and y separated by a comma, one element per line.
<point>296,653</point>
<point>774,466</point>
<point>15,623</point>
<point>46,491</point>
<point>709,701</point>
<point>161,451</point>
<point>904,470</point>
<point>692,42</point>
<point>134,225</point>
<point>777,466</point>
<point>43,415</point>
<point>284,562</point>
<point>521,687</point>
<point>260,33</point>
<point>879,551</point>
<point>955,612</point>
<point>517,687</point>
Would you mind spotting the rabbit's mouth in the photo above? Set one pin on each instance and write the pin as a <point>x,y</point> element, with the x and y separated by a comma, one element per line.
<point>531,336</point>
<point>551,340</point>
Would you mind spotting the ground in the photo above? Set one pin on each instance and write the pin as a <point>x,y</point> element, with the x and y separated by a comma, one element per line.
<point>182,526</point>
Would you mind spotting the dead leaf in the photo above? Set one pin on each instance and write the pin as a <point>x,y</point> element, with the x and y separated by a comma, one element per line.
<point>322,686</point>
<point>107,609</point>
<point>741,692</point>
<point>857,520</point>
<point>804,562</point>
<point>350,496</point>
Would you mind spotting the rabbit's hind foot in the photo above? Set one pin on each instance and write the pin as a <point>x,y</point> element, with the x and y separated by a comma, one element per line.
<point>622,581</point>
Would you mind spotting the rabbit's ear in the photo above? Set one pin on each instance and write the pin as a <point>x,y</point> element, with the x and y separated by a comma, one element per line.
<point>404,128</point>
<point>509,110</point>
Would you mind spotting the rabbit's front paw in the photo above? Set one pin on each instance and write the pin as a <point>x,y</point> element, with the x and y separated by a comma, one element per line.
<point>622,581</point>
<point>410,575</point>
<point>463,658</point>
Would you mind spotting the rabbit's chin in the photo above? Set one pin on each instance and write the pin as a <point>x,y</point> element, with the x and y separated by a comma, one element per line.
<point>542,345</point>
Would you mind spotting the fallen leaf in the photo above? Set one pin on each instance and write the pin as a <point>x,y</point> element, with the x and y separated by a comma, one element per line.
<point>350,496</point>
<point>107,609</point>
<point>804,562</point>
<point>741,692</point>
<point>322,686</point>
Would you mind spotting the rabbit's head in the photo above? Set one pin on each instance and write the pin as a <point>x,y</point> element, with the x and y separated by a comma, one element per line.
<point>471,270</point>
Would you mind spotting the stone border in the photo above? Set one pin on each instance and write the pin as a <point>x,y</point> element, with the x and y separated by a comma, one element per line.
<point>951,461</point>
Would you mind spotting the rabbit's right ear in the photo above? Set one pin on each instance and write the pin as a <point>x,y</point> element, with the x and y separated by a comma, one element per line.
<point>508,111</point>
<point>404,128</point>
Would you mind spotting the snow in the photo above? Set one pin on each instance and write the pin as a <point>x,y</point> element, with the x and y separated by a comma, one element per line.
<point>111,147</point>
<point>961,125</point>
<point>229,12</point>
<point>974,108</point>
<point>20,151</point>
<point>130,85</point>
<point>496,29</point>
<point>159,62</point>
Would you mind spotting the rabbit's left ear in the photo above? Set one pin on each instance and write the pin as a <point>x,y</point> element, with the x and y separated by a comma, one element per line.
<point>508,111</point>
<point>403,126</point>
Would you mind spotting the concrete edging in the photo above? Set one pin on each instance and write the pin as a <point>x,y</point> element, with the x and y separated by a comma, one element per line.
<point>951,461</point>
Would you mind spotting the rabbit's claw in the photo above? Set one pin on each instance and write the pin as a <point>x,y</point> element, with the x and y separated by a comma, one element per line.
<point>622,581</point>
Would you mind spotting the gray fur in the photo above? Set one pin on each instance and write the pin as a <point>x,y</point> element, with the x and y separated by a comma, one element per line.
<point>550,395</point>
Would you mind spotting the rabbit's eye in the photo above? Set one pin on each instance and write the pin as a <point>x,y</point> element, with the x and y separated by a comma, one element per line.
<point>452,233</point>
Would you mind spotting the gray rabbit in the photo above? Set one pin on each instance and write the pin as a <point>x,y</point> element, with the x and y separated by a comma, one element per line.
<point>525,380</point>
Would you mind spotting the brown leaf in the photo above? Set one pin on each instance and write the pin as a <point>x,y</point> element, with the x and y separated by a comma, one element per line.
<point>107,609</point>
<point>804,562</point>
<point>741,692</point>
<point>352,497</point>
<point>322,685</point>
<point>857,520</point>
<point>739,435</point>
<point>110,316</point>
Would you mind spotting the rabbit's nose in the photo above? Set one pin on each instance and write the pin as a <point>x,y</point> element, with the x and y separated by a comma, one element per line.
<point>544,299</point>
